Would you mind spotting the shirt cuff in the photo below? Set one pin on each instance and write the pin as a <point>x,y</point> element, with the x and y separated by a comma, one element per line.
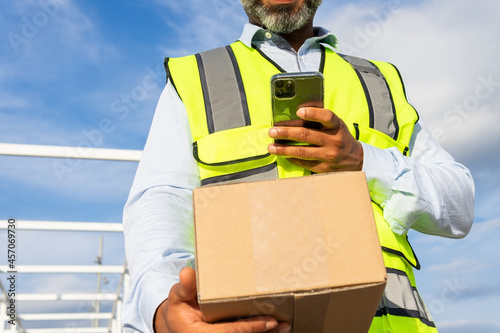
<point>381,174</point>
<point>378,166</point>
<point>141,302</point>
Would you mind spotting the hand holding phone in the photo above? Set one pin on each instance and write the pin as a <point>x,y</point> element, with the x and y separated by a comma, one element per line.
<point>328,146</point>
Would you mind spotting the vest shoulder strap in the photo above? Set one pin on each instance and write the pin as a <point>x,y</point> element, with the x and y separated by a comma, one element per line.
<point>225,100</point>
<point>378,95</point>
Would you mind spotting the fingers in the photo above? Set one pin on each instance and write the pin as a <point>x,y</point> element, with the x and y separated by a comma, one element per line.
<point>330,148</point>
<point>324,116</point>
<point>185,291</point>
<point>254,324</point>
<point>316,159</point>
<point>296,151</point>
<point>300,130</point>
<point>183,313</point>
<point>298,134</point>
<point>282,328</point>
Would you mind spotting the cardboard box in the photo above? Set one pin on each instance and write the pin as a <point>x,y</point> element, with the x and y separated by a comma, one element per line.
<point>304,250</point>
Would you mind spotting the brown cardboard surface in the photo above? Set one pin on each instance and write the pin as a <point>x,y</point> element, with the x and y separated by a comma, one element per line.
<point>346,310</point>
<point>304,250</point>
<point>280,307</point>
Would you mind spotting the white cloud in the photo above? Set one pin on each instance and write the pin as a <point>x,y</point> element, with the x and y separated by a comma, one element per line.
<point>62,283</point>
<point>203,25</point>
<point>44,82</point>
<point>475,247</point>
<point>456,274</point>
<point>74,179</point>
<point>445,52</point>
<point>488,203</point>
<point>9,100</point>
<point>41,128</point>
<point>467,326</point>
<point>55,28</point>
<point>457,266</point>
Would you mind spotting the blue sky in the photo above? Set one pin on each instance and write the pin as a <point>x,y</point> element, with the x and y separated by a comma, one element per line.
<point>68,66</point>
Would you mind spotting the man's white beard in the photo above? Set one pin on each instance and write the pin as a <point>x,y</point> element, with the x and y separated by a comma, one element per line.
<point>281,19</point>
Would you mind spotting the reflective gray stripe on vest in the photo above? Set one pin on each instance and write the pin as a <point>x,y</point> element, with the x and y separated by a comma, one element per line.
<point>226,107</point>
<point>379,97</point>
<point>267,172</point>
<point>402,299</point>
<point>223,92</point>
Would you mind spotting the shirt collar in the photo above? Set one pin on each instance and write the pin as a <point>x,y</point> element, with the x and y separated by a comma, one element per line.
<point>253,33</point>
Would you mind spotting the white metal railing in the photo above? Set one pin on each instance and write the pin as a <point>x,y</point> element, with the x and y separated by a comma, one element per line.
<point>64,269</point>
<point>113,317</point>
<point>67,330</point>
<point>65,316</point>
<point>70,226</point>
<point>16,149</point>
<point>62,297</point>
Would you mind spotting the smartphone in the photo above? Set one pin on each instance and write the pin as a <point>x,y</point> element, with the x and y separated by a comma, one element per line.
<point>289,91</point>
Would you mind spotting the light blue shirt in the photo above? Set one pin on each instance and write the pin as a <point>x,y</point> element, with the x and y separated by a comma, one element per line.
<point>427,191</point>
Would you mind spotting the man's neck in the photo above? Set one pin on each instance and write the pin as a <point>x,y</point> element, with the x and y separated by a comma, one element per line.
<point>297,38</point>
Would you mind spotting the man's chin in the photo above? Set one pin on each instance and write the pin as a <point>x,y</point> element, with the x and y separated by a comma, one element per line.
<point>280,16</point>
<point>281,24</point>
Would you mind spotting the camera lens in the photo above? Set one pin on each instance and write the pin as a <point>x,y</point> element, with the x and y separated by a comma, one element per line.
<point>280,84</point>
<point>280,93</point>
<point>290,88</point>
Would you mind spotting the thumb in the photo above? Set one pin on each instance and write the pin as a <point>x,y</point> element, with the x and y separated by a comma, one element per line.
<point>186,289</point>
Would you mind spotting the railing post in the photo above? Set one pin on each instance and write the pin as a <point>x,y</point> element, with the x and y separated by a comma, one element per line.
<point>3,316</point>
<point>119,315</point>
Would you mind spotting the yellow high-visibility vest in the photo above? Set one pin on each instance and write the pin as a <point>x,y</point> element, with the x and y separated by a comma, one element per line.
<point>227,95</point>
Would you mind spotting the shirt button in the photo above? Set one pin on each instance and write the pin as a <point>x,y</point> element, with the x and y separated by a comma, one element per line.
<point>268,35</point>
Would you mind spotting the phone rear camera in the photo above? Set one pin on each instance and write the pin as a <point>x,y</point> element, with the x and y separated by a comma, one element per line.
<point>280,84</point>
<point>280,93</point>
<point>284,89</point>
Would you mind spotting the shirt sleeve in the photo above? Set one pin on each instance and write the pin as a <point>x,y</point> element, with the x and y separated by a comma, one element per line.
<point>158,220</point>
<point>428,191</point>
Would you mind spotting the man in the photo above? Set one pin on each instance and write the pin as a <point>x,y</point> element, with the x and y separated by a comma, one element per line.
<point>413,182</point>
